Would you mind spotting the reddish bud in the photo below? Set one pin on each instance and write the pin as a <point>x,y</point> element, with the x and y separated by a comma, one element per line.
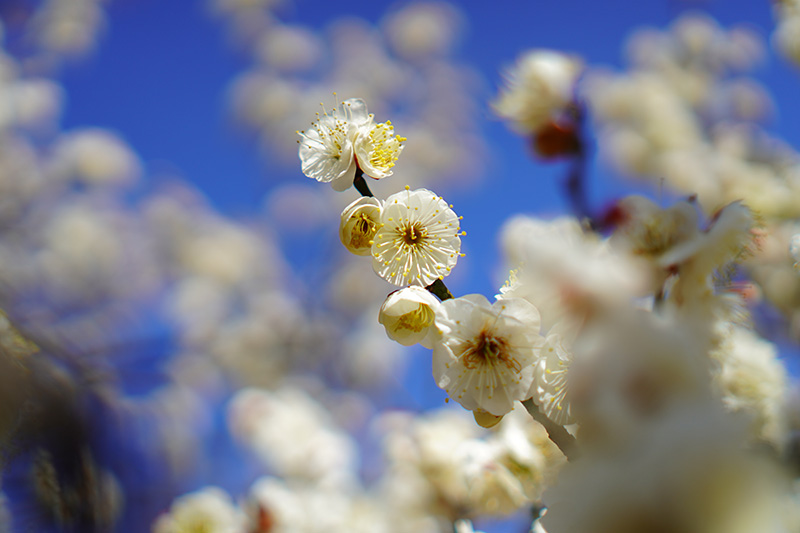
<point>555,140</point>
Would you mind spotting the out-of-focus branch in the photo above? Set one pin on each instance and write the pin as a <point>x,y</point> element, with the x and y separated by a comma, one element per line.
<point>560,436</point>
<point>576,178</point>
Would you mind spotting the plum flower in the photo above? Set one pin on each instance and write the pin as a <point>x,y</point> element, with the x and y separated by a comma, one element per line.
<point>326,150</point>
<point>486,353</point>
<point>540,86</point>
<point>377,148</point>
<point>359,223</point>
<point>344,140</point>
<point>550,387</point>
<point>418,239</point>
<point>408,315</point>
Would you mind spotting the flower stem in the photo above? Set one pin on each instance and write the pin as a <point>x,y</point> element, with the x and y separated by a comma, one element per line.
<point>559,435</point>
<point>361,184</point>
<point>440,290</point>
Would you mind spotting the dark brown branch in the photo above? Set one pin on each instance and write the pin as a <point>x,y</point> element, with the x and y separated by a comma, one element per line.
<point>361,184</point>
<point>440,290</point>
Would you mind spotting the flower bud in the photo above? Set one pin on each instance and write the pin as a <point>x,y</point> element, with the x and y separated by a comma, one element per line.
<point>486,419</point>
<point>555,140</point>
<point>408,314</point>
<point>359,223</point>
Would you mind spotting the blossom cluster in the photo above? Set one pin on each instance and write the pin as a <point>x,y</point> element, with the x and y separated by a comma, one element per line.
<point>611,339</point>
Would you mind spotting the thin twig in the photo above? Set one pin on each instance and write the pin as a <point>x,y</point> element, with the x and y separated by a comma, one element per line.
<point>361,184</point>
<point>440,290</point>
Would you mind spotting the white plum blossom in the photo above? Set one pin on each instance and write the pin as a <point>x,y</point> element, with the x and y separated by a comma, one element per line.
<point>647,230</point>
<point>347,139</point>
<point>693,456</point>
<point>418,241</point>
<point>94,156</point>
<point>292,434</point>
<point>751,379</point>
<point>568,274</point>
<point>550,385</point>
<point>728,238</point>
<point>326,149</point>
<point>208,510</point>
<point>539,87</point>
<point>486,353</point>
<point>377,148</point>
<point>408,314</point>
<point>359,223</point>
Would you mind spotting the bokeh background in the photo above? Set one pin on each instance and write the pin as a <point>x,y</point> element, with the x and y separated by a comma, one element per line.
<point>215,253</point>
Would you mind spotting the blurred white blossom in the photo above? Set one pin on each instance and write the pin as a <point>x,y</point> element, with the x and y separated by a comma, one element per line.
<point>538,88</point>
<point>209,509</point>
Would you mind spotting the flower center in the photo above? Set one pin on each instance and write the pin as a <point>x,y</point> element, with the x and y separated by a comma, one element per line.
<point>363,231</point>
<point>486,349</point>
<point>413,234</point>
<point>416,320</point>
<point>657,235</point>
<point>385,145</point>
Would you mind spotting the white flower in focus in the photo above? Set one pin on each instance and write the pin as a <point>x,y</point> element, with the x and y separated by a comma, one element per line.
<point>377,148</point>
<point>326,150</point>
<point>538,87</point>
<point>418,241</point>
<point>550,385</point>
<point>209,510</point>
<point>359,223</point>
<point>408,314</point>
<point>486,353</point>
